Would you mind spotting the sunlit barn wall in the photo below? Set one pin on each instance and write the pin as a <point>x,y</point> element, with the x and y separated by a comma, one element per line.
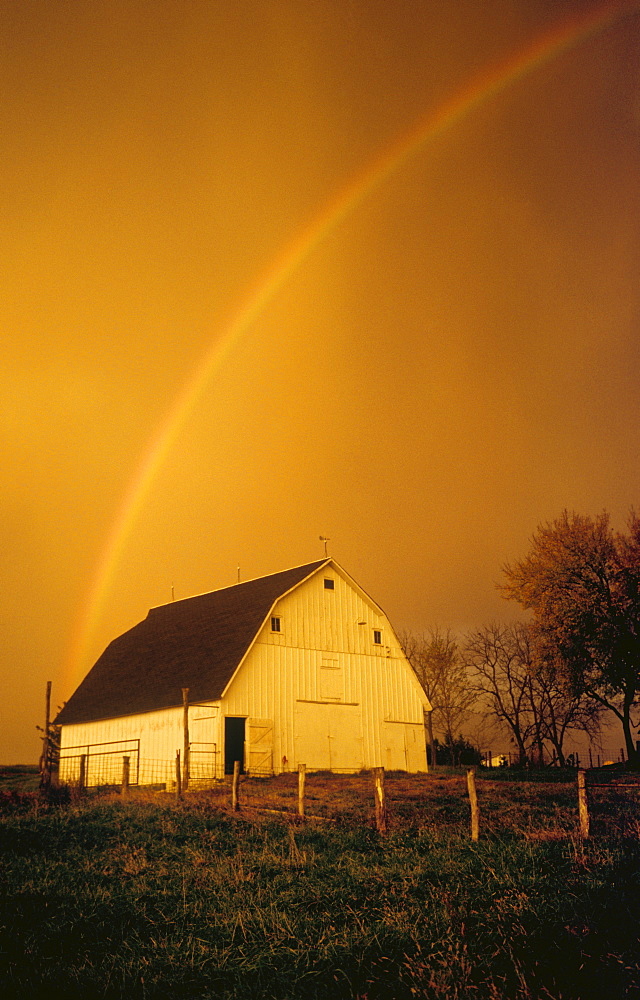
<point>335,697</point>
<point>149,739</point>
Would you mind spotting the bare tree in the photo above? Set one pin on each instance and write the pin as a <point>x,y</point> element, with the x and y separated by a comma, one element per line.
<point>497,657</point>
<point>525,683</point>
<point>562,708</point>
<point>436,660</point>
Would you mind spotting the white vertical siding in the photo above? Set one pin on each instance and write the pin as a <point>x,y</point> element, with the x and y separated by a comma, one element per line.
<point>284,670</point>
<point>150,740</point>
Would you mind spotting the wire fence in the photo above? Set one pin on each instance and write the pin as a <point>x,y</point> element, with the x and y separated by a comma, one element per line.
<point>107,769</point>
<point>607,798</point>
<point>103,766</point>
<point>120,762</point>
<point>99,763</point>
<point>586,758</point>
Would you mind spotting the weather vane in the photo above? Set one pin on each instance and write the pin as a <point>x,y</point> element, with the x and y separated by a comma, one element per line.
<point>325,540</point>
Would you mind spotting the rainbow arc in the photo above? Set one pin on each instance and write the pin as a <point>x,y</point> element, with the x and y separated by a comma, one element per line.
<point>475,92</point>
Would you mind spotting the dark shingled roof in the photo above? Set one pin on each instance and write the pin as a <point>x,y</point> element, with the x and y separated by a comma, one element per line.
<point>195,643</point>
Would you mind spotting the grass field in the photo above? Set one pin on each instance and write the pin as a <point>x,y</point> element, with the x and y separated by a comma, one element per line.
<point>147,898</point>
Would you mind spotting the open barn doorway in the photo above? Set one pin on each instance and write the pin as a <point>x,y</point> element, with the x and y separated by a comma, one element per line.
<point>233,743</point>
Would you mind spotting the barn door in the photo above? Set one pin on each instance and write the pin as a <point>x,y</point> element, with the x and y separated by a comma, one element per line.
<point>404,746</point>
<point>260,746</point>
<point>234,743</point>
<point>415,746</point>
<point>395,750</point>
<point>328,737</point>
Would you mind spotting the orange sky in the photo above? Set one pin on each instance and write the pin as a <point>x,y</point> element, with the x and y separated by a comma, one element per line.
<point>453,362</point>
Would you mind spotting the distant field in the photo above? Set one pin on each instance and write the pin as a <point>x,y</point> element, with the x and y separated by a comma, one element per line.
<point>148,898</point>
<point>22,777</point>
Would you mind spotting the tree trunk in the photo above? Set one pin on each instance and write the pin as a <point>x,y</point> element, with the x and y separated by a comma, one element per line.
<point>522,753</point>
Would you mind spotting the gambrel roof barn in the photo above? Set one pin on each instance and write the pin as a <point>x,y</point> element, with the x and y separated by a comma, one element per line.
<point>301,666</point>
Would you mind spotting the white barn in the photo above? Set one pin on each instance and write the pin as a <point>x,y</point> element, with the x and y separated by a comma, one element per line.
<point>299,667</point>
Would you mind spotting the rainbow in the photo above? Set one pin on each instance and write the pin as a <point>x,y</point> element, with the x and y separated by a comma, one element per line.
<point>477,91</point>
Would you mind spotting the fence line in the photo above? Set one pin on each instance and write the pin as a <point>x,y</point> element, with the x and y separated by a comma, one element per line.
<point>591,757</point>
<point>110,768</point>
<point>98,771</point>
<point>619,781</point>
<point>103,768</point>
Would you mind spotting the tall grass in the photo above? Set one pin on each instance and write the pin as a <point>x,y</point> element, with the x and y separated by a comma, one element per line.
<point>146,899</point>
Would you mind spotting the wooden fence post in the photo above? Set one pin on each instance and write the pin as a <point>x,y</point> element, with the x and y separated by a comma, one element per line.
<point>583,803</point>
<point>302,774</point>
<point>473,799</point>
<point>178,777</point>
<point>185,726</point>
<point>235,804</point>
<point>381,808</point>
<point>124,791</point>
<point>82,777</point>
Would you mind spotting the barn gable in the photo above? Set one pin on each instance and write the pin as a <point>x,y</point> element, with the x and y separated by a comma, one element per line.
<point>334,678</point>
<point>307,616</point>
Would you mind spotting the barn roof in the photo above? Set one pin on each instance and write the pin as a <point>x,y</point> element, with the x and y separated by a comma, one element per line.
<point>196,643</point>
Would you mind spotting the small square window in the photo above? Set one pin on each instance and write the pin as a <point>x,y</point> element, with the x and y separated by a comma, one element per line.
<point>377,637</point>
<point>275,623</point>
<point>328,585</point>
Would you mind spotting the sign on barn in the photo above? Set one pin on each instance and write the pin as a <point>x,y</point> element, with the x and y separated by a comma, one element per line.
<point>299,667</point>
